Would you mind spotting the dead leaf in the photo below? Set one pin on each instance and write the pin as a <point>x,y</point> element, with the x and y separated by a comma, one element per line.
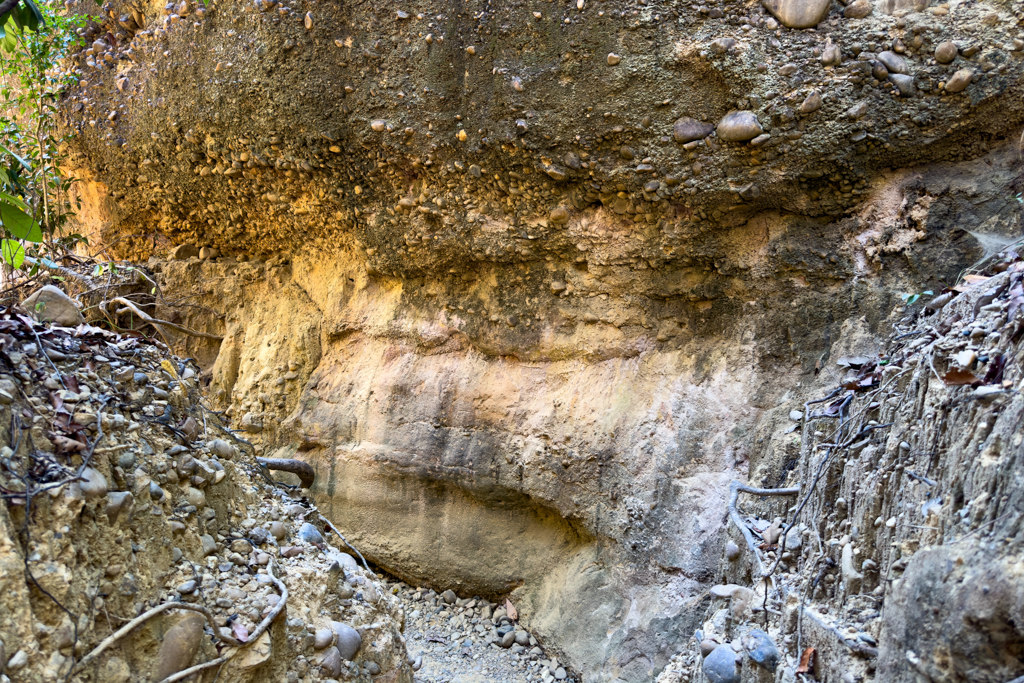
<point>852,361</point>
<point>66,445</point>
<point>240,631</point>
<point>975,279</point>
<point>806,662</point>
<point>957,377</point>
<point>510,609</point>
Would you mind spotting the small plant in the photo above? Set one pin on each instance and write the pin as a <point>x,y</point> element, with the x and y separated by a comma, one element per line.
<point>34,200</point>
<point>911,299</point>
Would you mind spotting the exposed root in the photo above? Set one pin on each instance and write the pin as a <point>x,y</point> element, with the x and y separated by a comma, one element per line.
<point>159,324</point>
<point>304,471</point>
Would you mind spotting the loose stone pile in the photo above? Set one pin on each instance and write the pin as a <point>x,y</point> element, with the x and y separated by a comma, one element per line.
<point>460,640</point>
<point>126,502</point>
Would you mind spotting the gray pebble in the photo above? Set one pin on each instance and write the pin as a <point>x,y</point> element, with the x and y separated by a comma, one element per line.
<point>761,649</point>
<point>687,130</point>
<point>722,666</point>
<point>348,640</point>
<point>893,62</point>
<point>310,534</point>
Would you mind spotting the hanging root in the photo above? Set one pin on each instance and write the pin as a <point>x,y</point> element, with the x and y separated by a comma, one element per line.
<point>304,470</point>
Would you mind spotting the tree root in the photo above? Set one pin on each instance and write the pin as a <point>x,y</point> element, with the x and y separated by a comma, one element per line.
<point>137,621</point>
<point>159,324</point>
<point>344,540</point>
<point>735,488</point>
<point>304,471</point>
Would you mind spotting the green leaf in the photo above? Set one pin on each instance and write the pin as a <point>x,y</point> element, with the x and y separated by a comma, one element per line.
<point>21,161</point>
<point>13,253</point>
<point>37,16</point>
<point>19,223</point>
<point>17,201</point>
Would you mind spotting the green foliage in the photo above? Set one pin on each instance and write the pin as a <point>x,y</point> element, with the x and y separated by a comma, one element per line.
<point>34,201</point>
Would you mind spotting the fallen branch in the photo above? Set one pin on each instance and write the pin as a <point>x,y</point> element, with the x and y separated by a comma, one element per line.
<point>344,540</point>
<point>304,470</point>
<point>735,488</point>
<point>160,324</point>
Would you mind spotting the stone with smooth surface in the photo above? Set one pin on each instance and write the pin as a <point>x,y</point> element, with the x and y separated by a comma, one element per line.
<point>310,534</point>
<point>179,646</point>
<point>798,13</point>
<point>722,666</point>
<point>959,81</point>
<point>946,52</point>
<point>739,126</point>
<point>348,640</point>
<point>687,130</point>
<point>49,304</point>
<point>858,9</point>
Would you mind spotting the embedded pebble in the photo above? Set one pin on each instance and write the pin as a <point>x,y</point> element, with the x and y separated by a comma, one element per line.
<point>904,83</point>
<point>858,9</point>
<point>613,59</point>
<point>179,646</point>
<point>812,103</point>
<point>960,80</point>
<point>348,640</point>
<point>761,649</point>
<point>94,484</point>
<point>946,52</point>
<point>687,130</point>
<point>739,126</point>
<point>322,638</point>
<point>798,13</point>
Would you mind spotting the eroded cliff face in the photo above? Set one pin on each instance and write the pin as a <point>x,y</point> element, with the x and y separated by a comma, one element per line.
<point>526,319</point>
<point>589,472</point>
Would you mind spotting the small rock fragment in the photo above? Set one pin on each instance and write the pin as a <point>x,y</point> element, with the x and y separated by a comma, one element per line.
<point>93,484</point>
<point>613,59</point>
<point>322,638</point>
<point>798,13</point>
<point>310,534</point>
<point>959,81</point>
<point>812,103</point>
<point>348,640</point>
<point>946,52</point>
<point>330,661</point>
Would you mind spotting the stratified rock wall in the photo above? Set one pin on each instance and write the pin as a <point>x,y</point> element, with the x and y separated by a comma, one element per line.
<point>530,284</point>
